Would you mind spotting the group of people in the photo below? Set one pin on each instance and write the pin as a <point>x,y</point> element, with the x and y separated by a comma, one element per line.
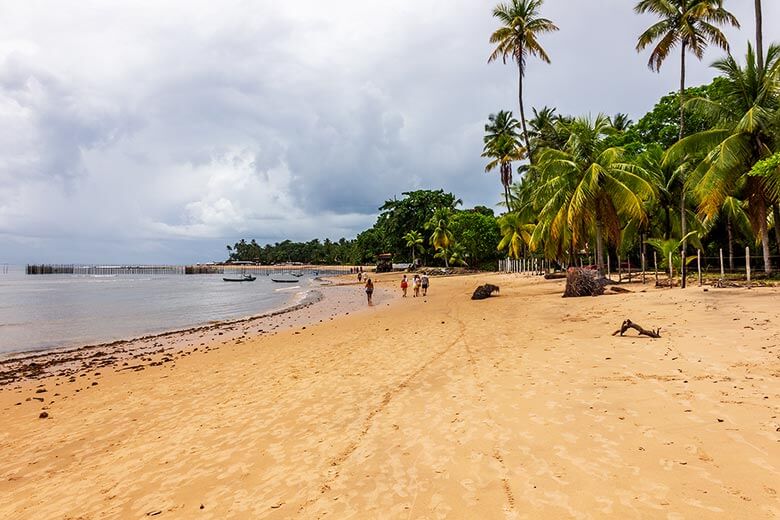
<point>419,283</point>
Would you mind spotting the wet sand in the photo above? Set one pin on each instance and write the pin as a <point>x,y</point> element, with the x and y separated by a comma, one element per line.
<point>519,406</point>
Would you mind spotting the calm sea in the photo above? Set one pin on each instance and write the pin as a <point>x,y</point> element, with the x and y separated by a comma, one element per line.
<point>49,311</point>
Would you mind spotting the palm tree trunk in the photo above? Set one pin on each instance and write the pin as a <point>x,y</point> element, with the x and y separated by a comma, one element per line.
<point>776,214</point>
<point>682,91</point>
<point>765,247</point>
<point>599,247</point>
<point>522,112</point>
<point>683,242</point>
<point>506,197</point>
<point>731,243</point>
<point>759,36</point>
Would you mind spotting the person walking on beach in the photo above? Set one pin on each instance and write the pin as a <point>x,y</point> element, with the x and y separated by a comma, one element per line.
<point>404,285</point>
<point>424,284</point>
<point>369,290</point>
<point>416,285</point>
<point>360,277</point>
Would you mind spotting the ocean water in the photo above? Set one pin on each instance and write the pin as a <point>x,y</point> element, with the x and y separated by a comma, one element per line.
<point>50,311</point>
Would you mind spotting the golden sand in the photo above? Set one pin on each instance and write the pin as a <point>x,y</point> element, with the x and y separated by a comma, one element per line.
<point>519,406</point>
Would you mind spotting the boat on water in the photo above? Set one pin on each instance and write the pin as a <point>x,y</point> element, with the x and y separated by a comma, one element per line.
<point>285,280</point>
<point>244,278</point>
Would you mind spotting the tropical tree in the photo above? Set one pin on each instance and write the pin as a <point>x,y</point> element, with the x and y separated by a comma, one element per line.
<point>515,232</point>
<point>589,188</point>
<point>441,236</point>
<point>621,122</point>
<point>414,241</point>
<point>691,23</point>
<point>746,117</point>
<point>516,39</point>
<point>502,147</point>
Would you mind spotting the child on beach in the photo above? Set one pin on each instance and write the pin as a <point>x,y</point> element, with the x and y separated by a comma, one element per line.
<point>416,285</point>
<point>404,285</point>
<point>369,289</point>
<point>424,284</point>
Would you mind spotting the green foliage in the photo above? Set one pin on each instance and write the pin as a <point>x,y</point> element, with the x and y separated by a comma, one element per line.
<point>477,234</point>
<point>410,213</point>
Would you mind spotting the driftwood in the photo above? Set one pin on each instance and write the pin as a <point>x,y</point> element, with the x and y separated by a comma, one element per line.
<point>583,282</point>
<point>484,291</point>
<point>628,324</point>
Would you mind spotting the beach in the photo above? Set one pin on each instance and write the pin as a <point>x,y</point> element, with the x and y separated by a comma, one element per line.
<point>523,405</point>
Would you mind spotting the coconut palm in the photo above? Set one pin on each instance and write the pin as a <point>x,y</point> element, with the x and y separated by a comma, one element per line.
<point>502,146</point>
<point>589,188</point>
<point>515,233</point>
<point>692,24</point>
<point>759,35</point>
<point>414,241</point>
<point>441,236</point>
<point>621,122</point>
<point>516,39</point>
<point>746,114</point>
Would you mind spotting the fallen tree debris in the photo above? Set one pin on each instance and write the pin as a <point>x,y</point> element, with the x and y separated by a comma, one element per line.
<point>628,324</point>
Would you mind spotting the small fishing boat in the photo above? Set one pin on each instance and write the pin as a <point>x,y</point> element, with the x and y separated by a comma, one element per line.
<point>244,278</point>
<point>284,280</point>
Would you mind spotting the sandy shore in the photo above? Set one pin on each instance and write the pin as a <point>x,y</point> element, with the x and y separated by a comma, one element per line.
<point>518,406</point>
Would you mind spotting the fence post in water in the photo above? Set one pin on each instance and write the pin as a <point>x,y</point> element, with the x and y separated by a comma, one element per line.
<point>722,274</point>
<point>747,264</point>
<point>698,264</point>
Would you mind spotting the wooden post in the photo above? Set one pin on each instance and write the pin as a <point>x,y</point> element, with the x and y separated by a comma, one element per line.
<point>644,267</point>
<point>671,270</point>
<point>609,270</point>
<point>747,264</point>
<point>655,267</point>
<point>722,273</point>
<point>628,261</point>
<point>698,264</point>
<point>620,271</point>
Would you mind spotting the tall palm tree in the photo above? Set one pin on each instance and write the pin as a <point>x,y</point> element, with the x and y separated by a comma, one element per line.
<point>759,34</point>
<point>516,39</point>
<point>441,236</point>
<point>746,113</point>
<point>502,146</point>
<point>692,24</point>
<point>589,188</point>
<point>621,122</point>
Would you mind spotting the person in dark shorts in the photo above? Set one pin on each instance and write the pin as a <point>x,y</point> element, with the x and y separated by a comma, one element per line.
<point>369,289</point>
<point>424,284</point>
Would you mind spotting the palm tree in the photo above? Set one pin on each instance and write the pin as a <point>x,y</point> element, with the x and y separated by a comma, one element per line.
<point>746,113</point>
<point>515,232</point>
<point>692,24</point>
<point>759,35</point>
<point>441,237</point>
<point>516,39</point>
<point>621,122</point>
<point>502,146</point>
<point>414,241</point>
<point>589,188</point>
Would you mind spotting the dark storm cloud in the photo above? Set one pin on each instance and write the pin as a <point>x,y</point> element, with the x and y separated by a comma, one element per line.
<point>162,131</point>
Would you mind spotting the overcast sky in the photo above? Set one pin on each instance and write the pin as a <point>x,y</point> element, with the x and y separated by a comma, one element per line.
<point>160,131</point>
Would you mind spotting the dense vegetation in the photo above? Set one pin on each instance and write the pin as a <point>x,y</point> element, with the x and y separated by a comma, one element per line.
<point>701,169</point>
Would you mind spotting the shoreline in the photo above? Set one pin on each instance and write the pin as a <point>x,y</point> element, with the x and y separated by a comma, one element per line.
<point>16,367</point>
